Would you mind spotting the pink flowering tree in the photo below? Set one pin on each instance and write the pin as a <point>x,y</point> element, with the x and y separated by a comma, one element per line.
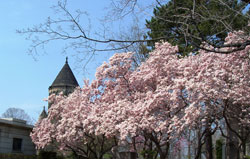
<point>136,100</point>
<point>70,126</point>
<point>124,102</point>
<point>146,108</point>
<point>217,88</point>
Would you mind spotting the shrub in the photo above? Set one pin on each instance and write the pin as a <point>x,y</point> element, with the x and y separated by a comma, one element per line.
<point>218,147</point>
<point>46,155</point>
<point>17,156</point>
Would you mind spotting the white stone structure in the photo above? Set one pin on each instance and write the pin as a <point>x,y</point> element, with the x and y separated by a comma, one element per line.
<point>15,137</point>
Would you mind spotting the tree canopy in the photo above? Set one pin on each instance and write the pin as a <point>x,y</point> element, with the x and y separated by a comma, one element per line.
<point>146,108</point>
<point>189,23</point>
<point>18,114</point>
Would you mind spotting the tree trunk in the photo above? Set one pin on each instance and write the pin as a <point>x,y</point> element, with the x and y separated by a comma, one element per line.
<point>149,154</point>
<point>163,156</point>
<point>189,145</point>
<point>233,142</point>
<point>244,151</point>
<point>209,145</point>
<point>232,149</point>
<point>199,146</point>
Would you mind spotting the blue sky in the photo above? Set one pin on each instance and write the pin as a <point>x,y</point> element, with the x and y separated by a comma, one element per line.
<point>24,81</point>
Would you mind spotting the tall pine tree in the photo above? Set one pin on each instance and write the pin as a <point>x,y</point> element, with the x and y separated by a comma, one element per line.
<point>189,23</point>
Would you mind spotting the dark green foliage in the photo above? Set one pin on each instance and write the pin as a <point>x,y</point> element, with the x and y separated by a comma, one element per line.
<point>47,155</point>
<point>17,156</point>
<point>247,157</point>
<point>148,153</point>
<point>218,147</point>
<point>187,25</point>
<point>107,156</point>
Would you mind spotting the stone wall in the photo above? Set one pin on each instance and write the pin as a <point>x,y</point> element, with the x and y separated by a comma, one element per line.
<point>10,130</point>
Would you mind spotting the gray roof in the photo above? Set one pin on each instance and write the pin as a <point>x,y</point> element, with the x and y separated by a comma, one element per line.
<point>43,114</point>
<point>65,77</point>
<point>15,122</point>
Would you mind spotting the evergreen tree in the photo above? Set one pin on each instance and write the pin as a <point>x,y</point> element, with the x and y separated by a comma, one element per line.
<point>189,23</point>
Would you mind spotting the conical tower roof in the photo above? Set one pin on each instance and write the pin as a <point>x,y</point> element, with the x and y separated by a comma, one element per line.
<point>43,114</point>
<point>65,77</point>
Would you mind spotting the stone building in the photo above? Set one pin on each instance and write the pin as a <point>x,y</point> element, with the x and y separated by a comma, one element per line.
<point>15,133</point>
<point>65,81</point>
<point>15,137</point>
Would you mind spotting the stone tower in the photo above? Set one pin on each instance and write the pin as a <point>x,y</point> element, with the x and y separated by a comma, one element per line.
<point>65,81</point>
<point>44,114</point>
